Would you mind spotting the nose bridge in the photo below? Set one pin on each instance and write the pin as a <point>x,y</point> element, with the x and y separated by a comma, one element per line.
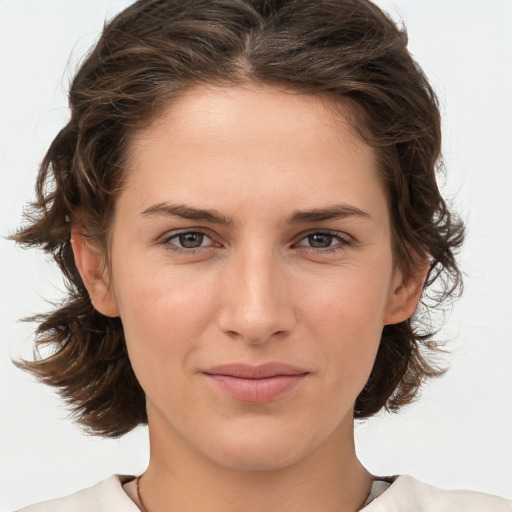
<point>256,304</point>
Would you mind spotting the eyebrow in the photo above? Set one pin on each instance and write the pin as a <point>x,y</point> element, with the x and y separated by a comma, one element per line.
<point>335,212</point>
<point>339,211</point>
<point>187,212</point>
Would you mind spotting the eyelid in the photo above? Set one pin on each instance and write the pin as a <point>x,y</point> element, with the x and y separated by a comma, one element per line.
<point>342,236</point>
<point>342,243</point>
<point>169,236</point>
<point>175,232</point>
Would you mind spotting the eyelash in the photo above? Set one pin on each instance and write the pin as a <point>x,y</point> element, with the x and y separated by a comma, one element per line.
<point>344,242</point>
<point>167,242</point>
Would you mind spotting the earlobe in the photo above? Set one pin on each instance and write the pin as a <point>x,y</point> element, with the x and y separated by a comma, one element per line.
<point>89,263</point>
<point>405,294</point>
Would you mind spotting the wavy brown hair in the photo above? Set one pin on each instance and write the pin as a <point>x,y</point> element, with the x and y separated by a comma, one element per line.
<point>347,50</point>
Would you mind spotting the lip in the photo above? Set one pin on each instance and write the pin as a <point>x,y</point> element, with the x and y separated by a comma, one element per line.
<point>257,384</point>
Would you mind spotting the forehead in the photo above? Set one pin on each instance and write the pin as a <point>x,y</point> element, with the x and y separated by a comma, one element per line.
<point>251,114</point>
<point>224,143</point>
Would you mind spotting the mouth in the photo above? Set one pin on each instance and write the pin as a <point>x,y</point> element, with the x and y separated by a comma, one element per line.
<point>256,384</point>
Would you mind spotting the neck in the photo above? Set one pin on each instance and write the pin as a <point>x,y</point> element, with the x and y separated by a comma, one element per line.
<point>330,479</point>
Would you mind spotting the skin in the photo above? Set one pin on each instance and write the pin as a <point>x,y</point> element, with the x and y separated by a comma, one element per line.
<point>254,290</point>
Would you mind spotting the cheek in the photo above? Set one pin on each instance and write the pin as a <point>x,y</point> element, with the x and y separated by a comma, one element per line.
<point>349,300</point>
<point>345,315</point>
<point>164,314</point>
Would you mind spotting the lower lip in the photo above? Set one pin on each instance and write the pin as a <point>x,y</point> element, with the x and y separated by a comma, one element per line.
<point>256,390</point>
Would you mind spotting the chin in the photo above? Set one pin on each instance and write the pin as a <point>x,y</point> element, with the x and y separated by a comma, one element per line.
<point>255,451</point>
<point>257,460</point>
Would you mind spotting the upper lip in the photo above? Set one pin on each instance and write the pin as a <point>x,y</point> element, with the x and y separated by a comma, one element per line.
<point>261,371</point>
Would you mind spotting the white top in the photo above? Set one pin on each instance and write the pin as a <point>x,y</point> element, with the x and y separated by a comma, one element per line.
<point>405,494</point>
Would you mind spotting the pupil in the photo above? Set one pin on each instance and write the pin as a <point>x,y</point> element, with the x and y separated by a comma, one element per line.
<point>320,240</point>
<point>191,240</point>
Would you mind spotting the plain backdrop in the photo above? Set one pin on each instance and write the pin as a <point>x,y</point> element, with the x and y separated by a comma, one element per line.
<point>458,435</point>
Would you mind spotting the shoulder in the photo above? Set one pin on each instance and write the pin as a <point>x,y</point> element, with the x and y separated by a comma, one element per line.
<point>105,496</point>
<point>406,494</point>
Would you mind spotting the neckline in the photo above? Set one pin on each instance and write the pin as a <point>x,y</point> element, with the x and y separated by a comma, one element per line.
<point>380,485</point>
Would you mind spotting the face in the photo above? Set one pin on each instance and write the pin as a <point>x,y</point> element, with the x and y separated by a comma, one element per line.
<point>253,273</point>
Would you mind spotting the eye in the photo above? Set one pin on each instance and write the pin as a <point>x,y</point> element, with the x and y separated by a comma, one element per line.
<point>188,240</point>
<point>324,240</point>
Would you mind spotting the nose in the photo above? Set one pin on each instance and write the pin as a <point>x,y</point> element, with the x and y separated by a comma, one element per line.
<point>256,305</point>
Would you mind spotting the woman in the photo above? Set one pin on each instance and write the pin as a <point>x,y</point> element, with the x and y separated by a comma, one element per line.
<point>244,203</point>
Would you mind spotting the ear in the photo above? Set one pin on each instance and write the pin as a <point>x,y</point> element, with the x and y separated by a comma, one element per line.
<point>89,262</point>
<point>405,293</point>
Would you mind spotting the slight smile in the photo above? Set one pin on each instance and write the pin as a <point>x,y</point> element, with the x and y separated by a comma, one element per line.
<point>256,384</point>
